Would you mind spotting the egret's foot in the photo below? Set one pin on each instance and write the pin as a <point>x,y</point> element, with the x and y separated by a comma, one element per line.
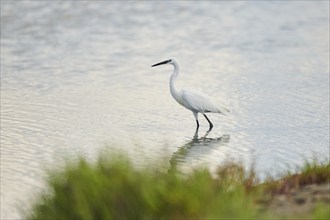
<point>210,129</point>
<point>195,137</point>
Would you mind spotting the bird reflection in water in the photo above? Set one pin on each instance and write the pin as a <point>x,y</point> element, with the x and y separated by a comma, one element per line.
<point>198,145</point>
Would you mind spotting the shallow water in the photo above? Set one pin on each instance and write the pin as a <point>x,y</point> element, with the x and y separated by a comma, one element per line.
<point>76,80</point>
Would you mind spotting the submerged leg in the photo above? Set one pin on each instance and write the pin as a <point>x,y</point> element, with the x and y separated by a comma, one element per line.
<point>211,125</point>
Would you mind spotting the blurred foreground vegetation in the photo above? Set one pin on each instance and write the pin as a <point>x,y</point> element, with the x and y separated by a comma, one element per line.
<point>113,189</point>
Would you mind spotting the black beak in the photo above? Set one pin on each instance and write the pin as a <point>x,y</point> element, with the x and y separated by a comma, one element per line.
<point>161,63</point>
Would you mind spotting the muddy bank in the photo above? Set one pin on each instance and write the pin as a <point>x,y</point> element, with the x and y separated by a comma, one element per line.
<point>300,202</point>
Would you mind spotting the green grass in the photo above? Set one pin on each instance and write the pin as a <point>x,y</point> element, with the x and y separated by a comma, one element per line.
<point>310,173</point>
<point>113,189</point>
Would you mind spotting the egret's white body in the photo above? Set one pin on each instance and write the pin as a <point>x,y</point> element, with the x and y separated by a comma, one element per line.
<point>197,103</point>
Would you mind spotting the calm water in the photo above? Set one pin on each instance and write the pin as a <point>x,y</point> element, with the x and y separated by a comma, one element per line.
<point>76,79</point>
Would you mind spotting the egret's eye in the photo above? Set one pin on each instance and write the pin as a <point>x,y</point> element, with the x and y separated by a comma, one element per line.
<point>169,60</point>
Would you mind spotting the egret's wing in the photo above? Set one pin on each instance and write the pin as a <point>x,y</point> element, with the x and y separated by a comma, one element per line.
<point>200,103</point>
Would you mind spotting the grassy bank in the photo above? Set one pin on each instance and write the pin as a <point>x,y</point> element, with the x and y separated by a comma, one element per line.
<point>113,189</point>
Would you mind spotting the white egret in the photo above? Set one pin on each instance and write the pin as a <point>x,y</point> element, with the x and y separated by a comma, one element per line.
<point>197,103</point>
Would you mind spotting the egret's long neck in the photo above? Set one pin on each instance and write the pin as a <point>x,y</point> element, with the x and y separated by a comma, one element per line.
<point>173,78</point>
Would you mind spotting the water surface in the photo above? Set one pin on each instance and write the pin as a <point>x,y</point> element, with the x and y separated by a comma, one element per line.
<point>76,79</point>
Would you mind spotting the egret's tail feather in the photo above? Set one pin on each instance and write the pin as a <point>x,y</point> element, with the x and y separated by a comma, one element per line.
<point>223,110</point>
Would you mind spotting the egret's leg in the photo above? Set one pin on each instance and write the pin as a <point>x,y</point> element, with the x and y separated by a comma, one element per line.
<point>196,117</point>
<point>211,125</point>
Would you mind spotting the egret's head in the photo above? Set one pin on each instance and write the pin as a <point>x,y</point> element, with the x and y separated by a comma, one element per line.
<point>172,61</point>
